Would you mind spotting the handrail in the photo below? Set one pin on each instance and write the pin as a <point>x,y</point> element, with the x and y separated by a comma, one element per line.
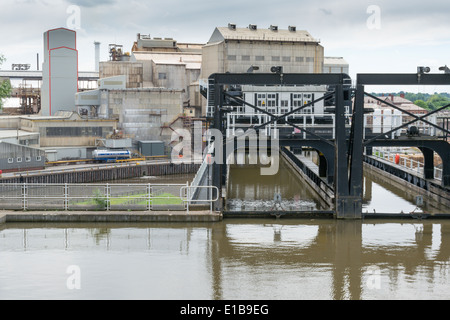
<point>71,196</point>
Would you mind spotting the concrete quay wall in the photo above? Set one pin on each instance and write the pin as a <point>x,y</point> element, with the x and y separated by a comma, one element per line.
<point>117,216</point>
<point>105,173</point>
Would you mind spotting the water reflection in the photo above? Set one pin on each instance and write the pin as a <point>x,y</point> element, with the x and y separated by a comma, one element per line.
<point>233,259</point>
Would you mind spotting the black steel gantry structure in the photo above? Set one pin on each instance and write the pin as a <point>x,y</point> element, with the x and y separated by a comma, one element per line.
<point>343,153</point>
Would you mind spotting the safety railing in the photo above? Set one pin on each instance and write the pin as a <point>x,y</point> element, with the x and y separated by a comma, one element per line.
<point>405,162</point>
<point>101,197</point>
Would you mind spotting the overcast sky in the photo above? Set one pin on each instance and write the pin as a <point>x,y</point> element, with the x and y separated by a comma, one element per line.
<point>373,36</point>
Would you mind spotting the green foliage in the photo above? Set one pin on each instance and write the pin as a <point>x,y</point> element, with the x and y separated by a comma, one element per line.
<point>437,101</point>
<point>5,85</point>
<point>99,199</point>
<point>421,104</point>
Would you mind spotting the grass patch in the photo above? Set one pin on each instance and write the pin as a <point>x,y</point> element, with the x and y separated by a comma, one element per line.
<point>137,199</point>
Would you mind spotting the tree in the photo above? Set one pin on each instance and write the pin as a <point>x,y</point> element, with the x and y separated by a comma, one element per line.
<point>436,101</point>
<point>5,85</point>
<point>421,104</point>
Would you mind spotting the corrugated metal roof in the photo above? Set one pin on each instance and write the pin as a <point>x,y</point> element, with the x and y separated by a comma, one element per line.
<point>265,35</point>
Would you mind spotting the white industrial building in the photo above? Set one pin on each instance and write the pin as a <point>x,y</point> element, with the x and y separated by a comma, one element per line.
<point>335,65</point>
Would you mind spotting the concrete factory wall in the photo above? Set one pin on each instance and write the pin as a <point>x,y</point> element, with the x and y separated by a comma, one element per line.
<point>134,71</point>
<point>143,112</point>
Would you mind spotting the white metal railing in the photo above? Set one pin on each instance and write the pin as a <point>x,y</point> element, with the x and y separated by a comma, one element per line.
<point>187,191</point>
<point>201,171</point>
<point>101,197</point>
<point>405,162</point>
<point>385,122</point>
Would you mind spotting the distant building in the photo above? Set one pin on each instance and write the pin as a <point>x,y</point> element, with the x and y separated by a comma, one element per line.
<point>59,71</point>
<point>254,49</point>
<point>335,65</point>
<point>404,104</point>
<point>385,117</point>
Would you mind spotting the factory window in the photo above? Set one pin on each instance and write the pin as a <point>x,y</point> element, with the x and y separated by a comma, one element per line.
<point>27,159</point>
<point>75,131</point>
<point>299,59</point>
<point>261,100</point>
<point>284,106</point>
<point>286,59</point>
<point>19,159</point>
<point>162,76</point>
<point>232,57</point>
<point>309,59</point>
<point>245,58</point>
<point>297,100</point>
<point>10,160</point>
<point>38,158</point>
<point>259,58</point>
<point>271,100</point>
<point>275,58</point>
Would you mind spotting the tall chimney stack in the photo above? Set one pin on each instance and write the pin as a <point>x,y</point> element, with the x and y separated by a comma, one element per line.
<point>97,56</point>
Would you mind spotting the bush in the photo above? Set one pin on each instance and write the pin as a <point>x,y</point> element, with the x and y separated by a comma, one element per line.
<point>99,199</point>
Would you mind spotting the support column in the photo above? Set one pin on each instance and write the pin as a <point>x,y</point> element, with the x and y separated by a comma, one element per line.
<point>428,163</point>
<point>348,158</point>
<point>217,167</point>
<point>322,165</point>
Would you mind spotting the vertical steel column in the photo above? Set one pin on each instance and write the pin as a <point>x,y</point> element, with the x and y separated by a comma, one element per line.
<point>340,154</point>
<point>217,124</point>
<point>348,158</point>
<point>428,162</point>
<point>356,163</point>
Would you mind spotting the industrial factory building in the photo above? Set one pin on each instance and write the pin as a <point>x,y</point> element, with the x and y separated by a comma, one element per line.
<point>15,157</point>
<point>142,114</point>
<point>61,136</point>
<point>150,92</point>
<point>335,65</point>
<point>253,49</point>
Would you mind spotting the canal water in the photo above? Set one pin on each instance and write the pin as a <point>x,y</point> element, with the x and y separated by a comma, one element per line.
<point>233,259</point>
<point>256,259</point>
<point>249,190</point>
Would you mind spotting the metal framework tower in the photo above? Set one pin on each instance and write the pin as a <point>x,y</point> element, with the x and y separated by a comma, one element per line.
<point>347,147</point>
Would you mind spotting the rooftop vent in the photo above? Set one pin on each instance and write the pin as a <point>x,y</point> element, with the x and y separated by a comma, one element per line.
<point>232,26</point>
<point>252,26</point>
<point>273,28</point>
<point>292,28</point>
